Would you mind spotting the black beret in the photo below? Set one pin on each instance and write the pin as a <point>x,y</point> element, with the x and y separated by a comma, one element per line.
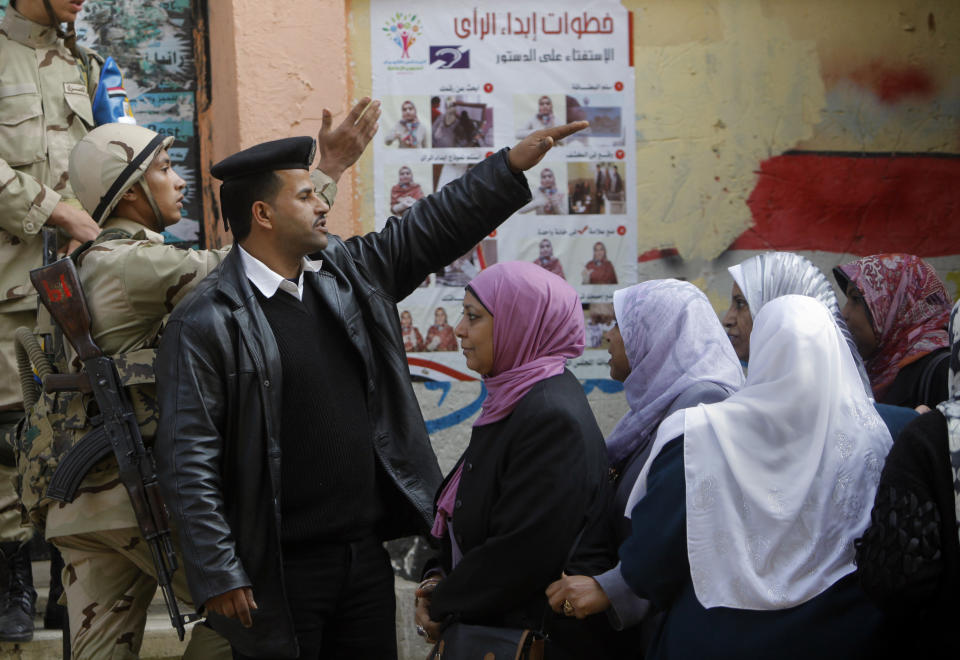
<point>294,153</point>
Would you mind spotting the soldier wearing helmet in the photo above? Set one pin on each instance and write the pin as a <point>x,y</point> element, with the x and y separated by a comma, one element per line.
<point>123,176</point>
<point>46,84</point>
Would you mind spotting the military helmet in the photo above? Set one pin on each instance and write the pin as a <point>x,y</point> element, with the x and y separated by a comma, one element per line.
<point>110,159</point>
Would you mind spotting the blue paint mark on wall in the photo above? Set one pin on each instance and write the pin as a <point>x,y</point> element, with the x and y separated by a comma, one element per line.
<point>605,385</point>
<point>438,385</point>
<point>458,416</point>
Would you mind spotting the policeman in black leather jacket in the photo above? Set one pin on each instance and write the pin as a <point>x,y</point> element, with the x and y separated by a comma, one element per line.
<point>222,453</point>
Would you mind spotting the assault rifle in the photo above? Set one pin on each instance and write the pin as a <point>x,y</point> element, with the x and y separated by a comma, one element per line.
<point>58,287</point>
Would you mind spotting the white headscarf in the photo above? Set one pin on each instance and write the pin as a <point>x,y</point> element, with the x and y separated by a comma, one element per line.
<point>773,274</point>
<point>780,476</point>
<point>673,341</point>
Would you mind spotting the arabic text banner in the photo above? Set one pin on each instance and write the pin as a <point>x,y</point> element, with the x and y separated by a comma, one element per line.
<point>460,82</point>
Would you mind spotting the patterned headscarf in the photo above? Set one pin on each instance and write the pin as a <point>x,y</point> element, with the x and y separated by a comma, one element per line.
<point>951,408</point>
<point>909,309</point>
<point>773,274</point>
<point>673,341</point>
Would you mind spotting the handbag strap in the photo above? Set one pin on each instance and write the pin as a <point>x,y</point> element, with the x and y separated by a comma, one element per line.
<point>926,380</point>
<point>573,549</point>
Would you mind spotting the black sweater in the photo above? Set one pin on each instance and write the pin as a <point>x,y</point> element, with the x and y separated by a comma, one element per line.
<point>328,477</point>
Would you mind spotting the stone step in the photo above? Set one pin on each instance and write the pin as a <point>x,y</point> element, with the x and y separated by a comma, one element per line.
<point>160,639</point>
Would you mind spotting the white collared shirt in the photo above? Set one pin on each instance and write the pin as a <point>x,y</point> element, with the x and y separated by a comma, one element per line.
<point>268,281</point>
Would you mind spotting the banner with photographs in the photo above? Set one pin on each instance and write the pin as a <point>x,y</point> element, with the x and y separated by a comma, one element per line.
<point>460,82</point>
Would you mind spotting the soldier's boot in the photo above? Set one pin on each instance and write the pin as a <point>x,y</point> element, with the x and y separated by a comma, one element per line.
<point>55,614</point>
<point>16,621</point>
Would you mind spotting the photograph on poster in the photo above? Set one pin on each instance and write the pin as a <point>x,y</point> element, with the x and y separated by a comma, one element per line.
<point>547,183</point>
<point>440,335</point>
<point>545,256</point>
<point>461,121</point>
<point>531,112</point>
<point>605,114</point>
<point>599,318</point>
<point>408,183</point>
<point>597,188</point>
<point>444,174</point>
<point>463,269</point>
<point>405,122</point>
<point>412,339</point>
<point>429,329</point>
<point>599,269</point>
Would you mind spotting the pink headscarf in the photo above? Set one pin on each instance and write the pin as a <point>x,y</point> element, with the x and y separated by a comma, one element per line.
<point>910,307</point>
<point>537,327</point>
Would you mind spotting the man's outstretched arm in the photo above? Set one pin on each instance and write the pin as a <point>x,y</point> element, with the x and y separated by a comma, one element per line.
<point>447,224</point>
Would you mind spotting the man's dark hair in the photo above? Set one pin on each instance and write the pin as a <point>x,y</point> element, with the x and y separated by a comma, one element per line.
<point>238,195</point>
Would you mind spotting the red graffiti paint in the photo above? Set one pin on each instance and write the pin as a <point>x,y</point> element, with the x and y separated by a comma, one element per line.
<point>857,204</point>
<point>893,84</point>
<point>651,255</point>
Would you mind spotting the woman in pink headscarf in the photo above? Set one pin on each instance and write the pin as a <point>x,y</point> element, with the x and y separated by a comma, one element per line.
<point>535,469</point>
<point>897,311</point>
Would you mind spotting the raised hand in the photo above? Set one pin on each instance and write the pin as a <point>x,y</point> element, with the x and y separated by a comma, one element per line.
<point>531,149</point>
<point>341,147</point>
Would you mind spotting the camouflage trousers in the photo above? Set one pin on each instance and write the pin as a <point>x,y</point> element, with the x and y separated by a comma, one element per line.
<point>10,529</point>
<point>109,581</point>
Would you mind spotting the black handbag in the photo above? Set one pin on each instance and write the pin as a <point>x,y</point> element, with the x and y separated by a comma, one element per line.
<point>464,641</point>
<point>467,641</point>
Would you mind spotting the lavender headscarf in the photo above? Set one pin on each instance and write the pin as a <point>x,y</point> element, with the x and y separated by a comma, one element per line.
<point>673,340</point>
<point>537,326</point>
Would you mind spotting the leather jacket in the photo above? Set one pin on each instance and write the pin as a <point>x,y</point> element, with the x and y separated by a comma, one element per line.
<point>218,383</point>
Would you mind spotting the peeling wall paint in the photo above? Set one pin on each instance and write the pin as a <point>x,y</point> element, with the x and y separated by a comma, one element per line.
<point>845,137</point>
<point>708,112</point>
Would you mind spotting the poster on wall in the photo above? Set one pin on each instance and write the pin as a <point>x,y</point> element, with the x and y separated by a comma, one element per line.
<point>459,82</point>
<point>152,43</point>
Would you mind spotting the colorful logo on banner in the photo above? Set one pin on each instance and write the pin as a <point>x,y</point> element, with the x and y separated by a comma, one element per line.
<point>403,30</point>
<point>450,57</point>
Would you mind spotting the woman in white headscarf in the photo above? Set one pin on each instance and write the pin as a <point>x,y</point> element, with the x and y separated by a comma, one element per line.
<point>773,486</point>
<point>669,350</point>
<point>909,557</point>
<point>764,277</point>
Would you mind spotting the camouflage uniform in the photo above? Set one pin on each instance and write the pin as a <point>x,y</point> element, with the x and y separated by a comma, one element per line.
<point>44,110</point>
<point>131,285</point>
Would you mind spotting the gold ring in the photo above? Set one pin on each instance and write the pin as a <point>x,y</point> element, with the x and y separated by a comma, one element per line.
<point>567,607</point>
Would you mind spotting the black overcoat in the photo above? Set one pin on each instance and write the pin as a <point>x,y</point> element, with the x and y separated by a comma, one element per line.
<point>218,383</point>
<point>529,483</point>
